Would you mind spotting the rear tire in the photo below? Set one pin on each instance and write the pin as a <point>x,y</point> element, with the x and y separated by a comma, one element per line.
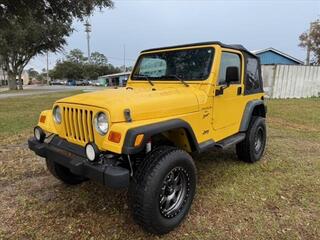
<point>163,189</point>
<point>63,174</point>
<point>252,147</point>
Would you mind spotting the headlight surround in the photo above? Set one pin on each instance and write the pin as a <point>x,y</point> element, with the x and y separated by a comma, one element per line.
<point>101,123</point>
<point>57,117</point>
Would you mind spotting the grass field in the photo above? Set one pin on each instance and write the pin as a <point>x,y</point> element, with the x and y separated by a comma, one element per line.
<point>277,198</point>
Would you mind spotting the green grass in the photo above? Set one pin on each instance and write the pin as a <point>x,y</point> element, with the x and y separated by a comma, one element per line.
<point>297,111</point>
<point>21,113</point>
<point>276,198</point>
<point>20,92</point>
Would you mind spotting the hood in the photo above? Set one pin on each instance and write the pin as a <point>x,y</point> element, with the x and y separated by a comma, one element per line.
<point>144,103</point>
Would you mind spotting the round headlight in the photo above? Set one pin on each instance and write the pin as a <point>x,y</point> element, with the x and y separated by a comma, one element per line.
<point>101,123</point>
<point>57,114</point>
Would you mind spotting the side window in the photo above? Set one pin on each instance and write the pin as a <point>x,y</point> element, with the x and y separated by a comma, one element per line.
<point>253,83</point>
<point>228,60</point>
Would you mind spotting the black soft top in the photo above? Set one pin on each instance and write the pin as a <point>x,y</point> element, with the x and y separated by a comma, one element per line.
<point>231,46</point>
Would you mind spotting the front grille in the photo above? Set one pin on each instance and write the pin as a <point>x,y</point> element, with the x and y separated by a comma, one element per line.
<point>78,124</point>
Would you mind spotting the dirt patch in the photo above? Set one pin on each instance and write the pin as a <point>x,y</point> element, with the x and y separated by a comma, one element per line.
<point>289,125</point>
<point>277,198</point>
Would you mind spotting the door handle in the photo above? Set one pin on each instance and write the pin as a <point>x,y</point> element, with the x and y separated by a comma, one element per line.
<point>219,91</point>
<point>239,90</point>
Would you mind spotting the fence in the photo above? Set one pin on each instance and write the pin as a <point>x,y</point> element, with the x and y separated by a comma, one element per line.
<point>291,81</point>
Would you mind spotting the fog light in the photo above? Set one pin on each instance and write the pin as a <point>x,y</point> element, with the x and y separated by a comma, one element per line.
<point>39,134</point>
<point>92,152</point>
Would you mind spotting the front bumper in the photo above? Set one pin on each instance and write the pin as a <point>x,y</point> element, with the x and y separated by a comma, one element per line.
<point>73,157</point>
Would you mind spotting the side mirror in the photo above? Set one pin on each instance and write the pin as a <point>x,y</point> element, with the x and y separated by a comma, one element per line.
<point>232,75</point>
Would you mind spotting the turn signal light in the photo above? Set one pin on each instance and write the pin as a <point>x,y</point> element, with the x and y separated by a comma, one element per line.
<point>42,118</point>
<point>138,140</point>
<point>114,137</point>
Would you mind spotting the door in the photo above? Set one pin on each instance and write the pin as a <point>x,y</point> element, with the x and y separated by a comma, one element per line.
<point>227,104</point>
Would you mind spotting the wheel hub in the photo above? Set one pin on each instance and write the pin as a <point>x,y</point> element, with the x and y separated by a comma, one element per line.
<point>258,140</point>
<point>174,192</point>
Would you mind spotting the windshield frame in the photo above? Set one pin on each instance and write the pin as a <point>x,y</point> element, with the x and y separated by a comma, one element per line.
<point>156,79</point>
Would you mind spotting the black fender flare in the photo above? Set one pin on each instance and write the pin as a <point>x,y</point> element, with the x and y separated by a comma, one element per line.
<point>248,111</point>
<point>156,128</point>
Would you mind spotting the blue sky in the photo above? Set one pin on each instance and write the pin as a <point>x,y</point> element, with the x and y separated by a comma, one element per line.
<point>141,24</point>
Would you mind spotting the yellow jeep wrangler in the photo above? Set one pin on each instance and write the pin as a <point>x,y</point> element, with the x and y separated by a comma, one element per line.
<point>178,100</point>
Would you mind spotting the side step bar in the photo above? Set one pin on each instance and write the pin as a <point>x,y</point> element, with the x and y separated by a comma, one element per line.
<point>225,143</point>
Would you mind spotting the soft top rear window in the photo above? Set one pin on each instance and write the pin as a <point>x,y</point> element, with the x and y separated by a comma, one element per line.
<point>253,81</point>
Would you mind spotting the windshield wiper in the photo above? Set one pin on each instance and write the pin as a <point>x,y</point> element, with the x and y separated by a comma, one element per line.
<point>145,77</point>
<point>176,77</point>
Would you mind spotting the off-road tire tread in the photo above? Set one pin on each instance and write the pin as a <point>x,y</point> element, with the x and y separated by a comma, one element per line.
<point>137,189</point>
<point>243,148</point>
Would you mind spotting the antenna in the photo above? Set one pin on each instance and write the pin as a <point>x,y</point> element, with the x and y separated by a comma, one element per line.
<point>88,30</point>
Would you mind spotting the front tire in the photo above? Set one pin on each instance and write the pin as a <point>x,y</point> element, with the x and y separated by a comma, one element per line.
<point>252,147</point>
<point>63,174</point>
<point>163,190</point>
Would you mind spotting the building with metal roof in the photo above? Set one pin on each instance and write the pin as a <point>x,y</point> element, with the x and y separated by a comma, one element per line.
<point>115,79</point>
<point>272,56</point>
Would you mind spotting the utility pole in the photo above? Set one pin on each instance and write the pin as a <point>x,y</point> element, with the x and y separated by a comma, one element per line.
<point>124,58</point>
<point>308,46</point>
<point>88,30</point>
<point>312,24</point>
<point>48,68</point>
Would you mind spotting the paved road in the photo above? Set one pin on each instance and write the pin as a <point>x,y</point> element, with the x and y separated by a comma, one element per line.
<point>36,90</point>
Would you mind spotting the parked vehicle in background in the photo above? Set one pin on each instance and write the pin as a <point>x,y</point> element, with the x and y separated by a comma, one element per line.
<point>116,79</point>
<point>71,82</point>
<point>179,101</point>
<point>94,82</point>
<point>57,82</point>
<point>79,83</point>
<point>63,82</point>
<point>85,83</point>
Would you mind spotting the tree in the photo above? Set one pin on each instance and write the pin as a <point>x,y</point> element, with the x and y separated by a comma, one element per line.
<point>77,67</point>
<point>22,40</point>
<point>28,28</point>
<point>91,71</point>
<point>99,59</point>
<point>67,70</point>
<point>59,10</point>
<point>32,73</point>
<point>2,69</point>
<point>76,56</point>
<point>126,68</point>
<point>311,40</point>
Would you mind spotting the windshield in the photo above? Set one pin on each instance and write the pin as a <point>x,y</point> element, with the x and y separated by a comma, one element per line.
<point>186,64</point>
